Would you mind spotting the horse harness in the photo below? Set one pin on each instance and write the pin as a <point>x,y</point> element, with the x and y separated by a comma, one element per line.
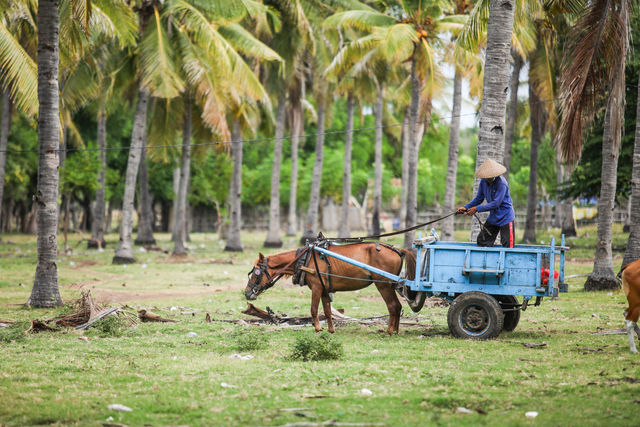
<point>304,255</point>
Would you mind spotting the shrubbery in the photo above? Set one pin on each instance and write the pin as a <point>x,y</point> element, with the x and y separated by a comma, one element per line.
<point>316,347</point>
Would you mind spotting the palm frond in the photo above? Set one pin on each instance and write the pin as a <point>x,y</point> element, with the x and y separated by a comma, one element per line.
<point>118,18</point>
<point>19,72</point>
<point>474,31</point>
<point>361,19</point>
<point>158,66</point>
<point>246,43</point>
<point>592,59</point>
<point>398,41</point>
<point>166,116</point>
<point>350,54</point>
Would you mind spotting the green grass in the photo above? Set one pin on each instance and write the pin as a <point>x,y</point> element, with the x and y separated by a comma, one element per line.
<point>418,377</point>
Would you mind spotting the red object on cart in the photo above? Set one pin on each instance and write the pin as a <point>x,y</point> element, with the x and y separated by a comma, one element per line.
<point>544,275</point>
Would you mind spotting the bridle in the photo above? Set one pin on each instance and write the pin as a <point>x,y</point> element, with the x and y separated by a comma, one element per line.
<point>262,268</point>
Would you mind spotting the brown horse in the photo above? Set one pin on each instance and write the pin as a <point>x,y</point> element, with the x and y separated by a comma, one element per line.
<point>343,276</point>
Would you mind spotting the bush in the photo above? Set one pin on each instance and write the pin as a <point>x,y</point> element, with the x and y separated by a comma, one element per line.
<point>110,326</point>
<point>15,332</point>
<point>316,347</point>
<point>250,339</point>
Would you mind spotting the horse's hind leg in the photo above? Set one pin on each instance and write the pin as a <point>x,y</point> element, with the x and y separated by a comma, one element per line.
<point>315,301</point>
<point>326,305</point>
<point>393,305</point>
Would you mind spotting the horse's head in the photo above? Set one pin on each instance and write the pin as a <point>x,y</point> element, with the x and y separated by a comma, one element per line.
<point>259,278</point>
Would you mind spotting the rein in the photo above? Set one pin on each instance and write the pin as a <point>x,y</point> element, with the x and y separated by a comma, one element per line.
<point>378,236</point>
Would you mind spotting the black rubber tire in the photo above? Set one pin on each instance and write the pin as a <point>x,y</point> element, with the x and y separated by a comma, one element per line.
<point>511,318</point>
<point>475,315</point>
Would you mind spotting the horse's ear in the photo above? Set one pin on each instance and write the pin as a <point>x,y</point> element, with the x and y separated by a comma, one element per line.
<point>260,257</point>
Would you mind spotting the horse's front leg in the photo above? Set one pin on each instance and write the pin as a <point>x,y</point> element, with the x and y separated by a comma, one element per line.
<point>393,305</point>
<point>326,305</point>
<point>316,292</point>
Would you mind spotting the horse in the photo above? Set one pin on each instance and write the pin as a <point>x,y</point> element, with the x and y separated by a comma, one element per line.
<point>328,276</point>
<point>630,274</point>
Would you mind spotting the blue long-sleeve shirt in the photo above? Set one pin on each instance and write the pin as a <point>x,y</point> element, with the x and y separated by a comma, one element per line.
<point>498,201</point>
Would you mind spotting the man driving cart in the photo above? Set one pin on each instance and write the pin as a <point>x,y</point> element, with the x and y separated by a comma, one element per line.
<point>495,190</point>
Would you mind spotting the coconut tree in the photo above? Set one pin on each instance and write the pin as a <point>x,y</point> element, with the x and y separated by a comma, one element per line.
<point>234,242</point>
<point>45,291</point>
<point>190,44</point>
<point>594,62</point>
<point>406,31</point>
<point>514,83</point>
<point>45,287</point>
<point>537,120</point>
<point>632,251</point>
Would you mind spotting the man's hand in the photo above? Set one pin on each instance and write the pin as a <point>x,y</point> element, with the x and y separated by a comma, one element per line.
<point>461,210</point>
<point>472,211</point>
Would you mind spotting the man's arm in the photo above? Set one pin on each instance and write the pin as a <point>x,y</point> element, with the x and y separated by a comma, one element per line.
<point>478,199</point>
<point>497,201</point>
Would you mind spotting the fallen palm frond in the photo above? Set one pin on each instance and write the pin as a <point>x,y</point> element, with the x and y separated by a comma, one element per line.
<point>147,316</point>
<point>86,313</point>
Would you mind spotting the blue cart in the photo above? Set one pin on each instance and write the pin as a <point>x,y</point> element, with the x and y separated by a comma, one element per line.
<point>481,283</point>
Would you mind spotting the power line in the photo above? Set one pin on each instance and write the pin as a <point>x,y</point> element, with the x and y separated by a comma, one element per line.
<point>254,140</point>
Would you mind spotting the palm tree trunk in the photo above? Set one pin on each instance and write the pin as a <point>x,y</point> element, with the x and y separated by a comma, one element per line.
<point>632,252</point>
<point>5,127</point>
<point>45,291</point>
<point>183,188</point>
<point>124,252</point>
<point>174,209</point>
<point>145,225</point>
<point>452,164</point>
<point>311,221</point>
<point>234,242</point>
<point>537,119</point>
<point>513,109</point>
<point>405,168</point>
<point>603,277</point>
<point>377,181</point>
<point>345,229</point>
<point>297,125</point>
<point>273,235</point>
<point>495,87</point>
<point>412,193</point>
<point>97,232</point>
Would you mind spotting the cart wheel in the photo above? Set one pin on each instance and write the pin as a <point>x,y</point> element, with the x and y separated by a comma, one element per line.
<point>475,315</point>
<point>511,318</point>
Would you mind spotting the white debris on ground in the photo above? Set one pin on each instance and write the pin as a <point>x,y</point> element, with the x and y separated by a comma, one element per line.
<point>118,407</point>
<point>192,334</point>
<point>225,385</point>
<point>531,414</point>
<point>462,410</point>
<point>241,357</point>
<point>366,392</point>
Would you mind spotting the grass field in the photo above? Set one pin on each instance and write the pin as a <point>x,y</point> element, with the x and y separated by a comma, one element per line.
<point>421,376</point>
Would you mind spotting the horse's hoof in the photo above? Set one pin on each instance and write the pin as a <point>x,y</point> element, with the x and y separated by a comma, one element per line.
<point>332,331</point>
<point>318,330</point>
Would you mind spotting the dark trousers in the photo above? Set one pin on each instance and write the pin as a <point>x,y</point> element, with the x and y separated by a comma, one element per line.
<point>489,233</point>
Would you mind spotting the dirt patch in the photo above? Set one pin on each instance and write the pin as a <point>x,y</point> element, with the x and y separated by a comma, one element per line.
<point>81,263</point>
<point>109,278</point>
<point>116,296</point>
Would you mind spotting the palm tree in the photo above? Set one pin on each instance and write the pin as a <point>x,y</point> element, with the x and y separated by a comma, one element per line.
<point>537,120</point>
<point>291,40</point>
<point>514,83</point>
<point>406,31</point>
<point>5,125</point>
<point>45,291</point>
<point>234,242</point>
<point>345,230</point>
<point>185,171</point>
<point>296,96</point>
<point>311,221</point>
<point>632,252</point>
<point>145,223</point>
<point>273,234</point>
<point>594,61</point>
<point>496,81</point>
<point>97,229</point>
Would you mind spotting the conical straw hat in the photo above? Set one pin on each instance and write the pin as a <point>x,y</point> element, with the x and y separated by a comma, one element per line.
<point>490,169</point>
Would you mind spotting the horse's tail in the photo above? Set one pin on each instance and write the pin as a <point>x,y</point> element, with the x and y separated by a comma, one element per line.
<point>410,263</point>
